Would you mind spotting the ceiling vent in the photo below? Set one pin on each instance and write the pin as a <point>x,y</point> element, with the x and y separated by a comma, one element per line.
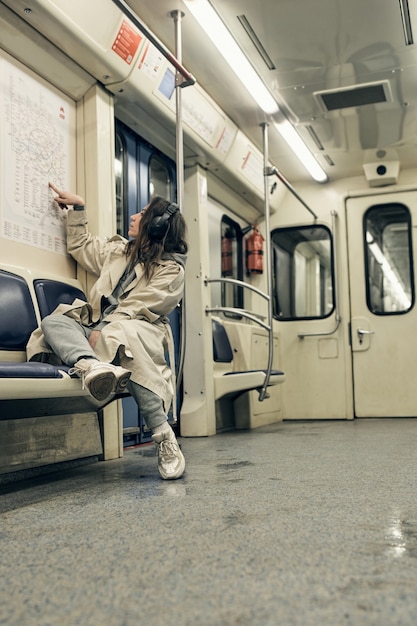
<point>354,96</point>
<point>406,22</point>
<point>256,41</point>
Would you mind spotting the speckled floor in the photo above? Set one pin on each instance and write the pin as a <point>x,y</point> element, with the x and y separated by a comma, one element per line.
<point>296,524</point>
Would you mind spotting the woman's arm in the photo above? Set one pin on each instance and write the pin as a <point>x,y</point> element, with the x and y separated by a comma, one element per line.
<point>66,198</point>
<point>87,250</point>
<point>81,245</point>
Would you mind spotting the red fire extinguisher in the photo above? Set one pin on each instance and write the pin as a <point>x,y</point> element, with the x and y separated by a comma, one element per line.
<point>227,254</point>
<point>254,252</point>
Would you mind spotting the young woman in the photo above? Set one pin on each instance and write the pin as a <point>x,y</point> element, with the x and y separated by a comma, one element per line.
<point>120,338</point>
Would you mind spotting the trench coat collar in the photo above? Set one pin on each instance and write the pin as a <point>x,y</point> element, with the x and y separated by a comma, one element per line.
<point>119,263</point>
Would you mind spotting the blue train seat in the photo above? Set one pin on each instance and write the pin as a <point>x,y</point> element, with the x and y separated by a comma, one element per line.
<point>17,313</point>
<point>30,389</point>
<point>51,293</point>
<point>18,321</point>
<point>46,416</point>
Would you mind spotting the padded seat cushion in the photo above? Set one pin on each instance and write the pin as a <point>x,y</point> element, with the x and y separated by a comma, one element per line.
<point>50,293</point>
<point>222,350</point>
<point>10,369</point>
<point>17,315</point>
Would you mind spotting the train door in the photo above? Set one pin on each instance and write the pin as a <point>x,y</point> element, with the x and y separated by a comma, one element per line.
<point>141,172</point>
<point>383,312</point>
<point>313,343</point>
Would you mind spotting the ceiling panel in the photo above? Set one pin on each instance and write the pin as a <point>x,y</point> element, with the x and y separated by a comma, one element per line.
<point>314,46</point>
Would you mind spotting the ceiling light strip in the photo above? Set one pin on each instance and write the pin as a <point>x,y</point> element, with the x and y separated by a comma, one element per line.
<point>291,136</point>
<point>216,30</point>
<point>211,23</point>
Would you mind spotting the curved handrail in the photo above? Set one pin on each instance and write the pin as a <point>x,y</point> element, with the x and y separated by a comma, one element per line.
<point>236,281</point>
<point>251,316</point>
<point>274,171</point>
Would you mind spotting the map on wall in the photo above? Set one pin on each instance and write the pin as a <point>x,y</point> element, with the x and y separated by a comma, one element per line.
<point>35,149</point>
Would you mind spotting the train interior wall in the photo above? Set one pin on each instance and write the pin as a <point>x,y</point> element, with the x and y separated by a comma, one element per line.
<point>316,354</point>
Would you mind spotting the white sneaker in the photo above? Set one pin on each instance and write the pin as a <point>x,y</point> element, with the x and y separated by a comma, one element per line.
<point>101,379</point>
<point>171,462</point>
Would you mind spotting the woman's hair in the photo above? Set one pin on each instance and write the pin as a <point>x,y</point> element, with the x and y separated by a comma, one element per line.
<point>146,249</point>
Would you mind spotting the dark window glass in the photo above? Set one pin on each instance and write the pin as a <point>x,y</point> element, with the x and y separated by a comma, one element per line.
<point>231,264</point>
<point>388,259</point>
<point>119,169</point>
<point>160,182</point>
<point>302,272</point>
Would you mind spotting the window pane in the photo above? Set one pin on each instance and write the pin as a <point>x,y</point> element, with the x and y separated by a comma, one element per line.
<point>231,247</point>
<point>119,174</point>
<point>302,273</point>
<point>388,259</point>
<point>160,183</point>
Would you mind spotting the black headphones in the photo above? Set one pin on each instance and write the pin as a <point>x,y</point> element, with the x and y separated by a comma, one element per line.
<point>158,227</point>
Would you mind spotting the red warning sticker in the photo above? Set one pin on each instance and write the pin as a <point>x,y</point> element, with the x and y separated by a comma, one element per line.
<point>127,42</point>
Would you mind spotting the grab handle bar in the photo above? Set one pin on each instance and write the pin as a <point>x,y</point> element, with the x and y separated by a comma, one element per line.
<point>188,77</point>
<point>251,316</point>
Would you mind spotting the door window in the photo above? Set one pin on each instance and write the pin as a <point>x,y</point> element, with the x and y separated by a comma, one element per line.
<point>388,259</point>
<point>231,250</point>
<point>303,275</point>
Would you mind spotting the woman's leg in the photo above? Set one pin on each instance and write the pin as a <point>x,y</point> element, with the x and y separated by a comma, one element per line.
<point>171,462</point>
<point>69,341</point>
<point>150,405</point>
<point>67,338</point>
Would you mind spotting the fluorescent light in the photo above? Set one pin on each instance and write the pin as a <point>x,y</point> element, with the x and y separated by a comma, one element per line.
<point>300,149</point>
<point>211,23</point>
<point>208,19</point>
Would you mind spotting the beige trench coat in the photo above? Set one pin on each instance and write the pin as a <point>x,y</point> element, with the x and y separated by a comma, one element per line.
<point>139,330</point>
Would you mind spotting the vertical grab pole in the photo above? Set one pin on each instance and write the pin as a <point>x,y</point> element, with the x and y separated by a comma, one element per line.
<point>177,16</point>
<point>264,127</point>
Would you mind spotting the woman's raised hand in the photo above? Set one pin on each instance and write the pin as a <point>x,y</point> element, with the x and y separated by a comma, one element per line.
<point>66,198</point>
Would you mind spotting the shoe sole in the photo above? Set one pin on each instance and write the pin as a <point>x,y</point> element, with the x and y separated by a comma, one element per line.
<point>101,386</point>
<point>121,381</point>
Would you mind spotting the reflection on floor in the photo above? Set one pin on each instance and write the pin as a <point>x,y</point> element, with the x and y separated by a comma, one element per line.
<point>302,523</point>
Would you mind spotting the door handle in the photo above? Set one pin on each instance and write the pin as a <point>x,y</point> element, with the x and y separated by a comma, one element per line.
<point>361,332</point>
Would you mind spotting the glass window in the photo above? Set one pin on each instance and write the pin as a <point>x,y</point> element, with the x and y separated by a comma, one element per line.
<point>232,265</point>
<point>388,259</point>
<point>160,181</point>
<point>302,273</point>
<point>119,175</point>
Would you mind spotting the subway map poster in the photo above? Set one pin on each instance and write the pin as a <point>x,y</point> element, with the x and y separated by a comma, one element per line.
<point>37,130</point>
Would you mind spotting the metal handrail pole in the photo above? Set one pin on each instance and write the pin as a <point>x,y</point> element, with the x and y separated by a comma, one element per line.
<point>240,283</point>
<point>179,138</point>
<point>241,312</point>
<point>188,77</point>
<point>267,257</point>
<point>177,15</point>
<point>281,177</point>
